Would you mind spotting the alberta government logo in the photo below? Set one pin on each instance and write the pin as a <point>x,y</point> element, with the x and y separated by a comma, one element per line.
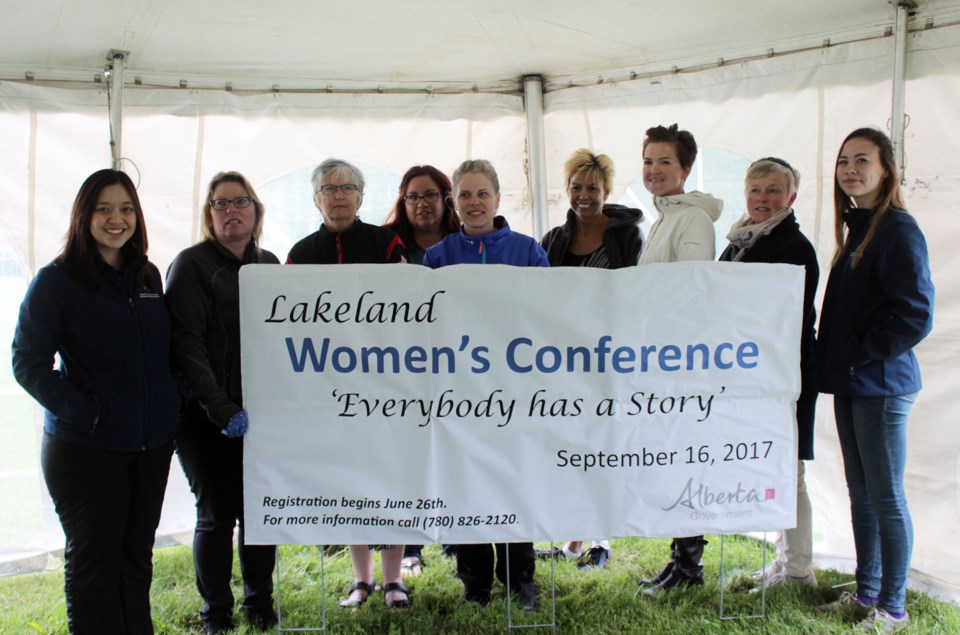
<point>700,497</point>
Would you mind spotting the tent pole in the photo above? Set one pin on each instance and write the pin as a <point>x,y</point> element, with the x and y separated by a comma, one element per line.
<point>536,153</point>
<point>898,119</point>
<point>114,74</point>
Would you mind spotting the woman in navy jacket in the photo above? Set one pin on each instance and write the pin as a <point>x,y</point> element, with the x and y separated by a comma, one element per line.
<point>110,408</point>
<point>878,305</point>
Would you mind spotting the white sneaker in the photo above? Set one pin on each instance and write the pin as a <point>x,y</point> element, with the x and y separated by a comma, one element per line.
<point>846,601</point>
<point>773,567</point>
<point>781,577</point>
<point>879,621</point>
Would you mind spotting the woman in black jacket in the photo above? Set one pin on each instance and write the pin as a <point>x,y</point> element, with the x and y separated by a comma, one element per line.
<point>204,295</point>
<point>110,408</point>
<point>769,232</point>
<point>595,234</point>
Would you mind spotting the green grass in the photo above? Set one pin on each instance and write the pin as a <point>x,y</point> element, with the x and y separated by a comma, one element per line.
<point>601,601</point>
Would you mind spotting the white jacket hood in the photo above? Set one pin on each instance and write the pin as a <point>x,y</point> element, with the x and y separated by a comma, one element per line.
<point>707,202</point>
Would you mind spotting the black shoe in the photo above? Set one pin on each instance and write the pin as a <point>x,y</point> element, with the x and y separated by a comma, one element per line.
<point>660,577</point>
<point>528,597</point>
<point>675,578</point>
<point>595,558</point>
<point>262,619</point>
<point>554,553</point>
<point>368,589</point>
<point>478,596</point>
<point>391,587</point>
<point>218,627</point>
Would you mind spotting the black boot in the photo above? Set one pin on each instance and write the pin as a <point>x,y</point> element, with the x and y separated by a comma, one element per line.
<point>475,588</point>
<point>687,569</point>
<point>527,594</point>
<point>665,573</point>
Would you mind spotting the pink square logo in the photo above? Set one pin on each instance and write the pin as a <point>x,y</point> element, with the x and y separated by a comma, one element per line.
<point>770,494</point>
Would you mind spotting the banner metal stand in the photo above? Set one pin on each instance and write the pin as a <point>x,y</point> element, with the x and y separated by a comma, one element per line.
<point>763,585</point>
<point>552,625</point>
<point>323,600</point>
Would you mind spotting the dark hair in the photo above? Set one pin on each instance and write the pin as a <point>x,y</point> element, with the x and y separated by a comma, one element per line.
<point>399,222</point>
<point>683,142</point>
<point>80,253</point>
<point>206,216</point>
<point>889,194</point>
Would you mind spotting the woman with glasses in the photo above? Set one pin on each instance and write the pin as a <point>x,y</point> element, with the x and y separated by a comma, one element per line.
<point>423,214</point>
<point>877,307</point>
<point>204,297</point>
<point>344,239</point>
<point>769,232</point>
<point>109,409</point>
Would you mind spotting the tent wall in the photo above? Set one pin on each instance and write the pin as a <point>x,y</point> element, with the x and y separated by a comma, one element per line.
<point>797,106</point>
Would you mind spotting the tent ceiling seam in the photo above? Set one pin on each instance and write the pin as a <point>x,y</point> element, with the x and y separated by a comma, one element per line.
<point>163,80</point>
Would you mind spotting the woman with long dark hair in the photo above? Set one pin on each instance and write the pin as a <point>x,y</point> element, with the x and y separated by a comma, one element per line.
<point>423,214</point>
<point>111,406</point>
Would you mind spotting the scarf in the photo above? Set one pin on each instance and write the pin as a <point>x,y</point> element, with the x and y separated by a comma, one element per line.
<point>745,233</point>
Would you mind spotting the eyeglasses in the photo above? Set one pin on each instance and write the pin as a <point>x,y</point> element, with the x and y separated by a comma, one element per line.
<point>330,189</point>
<point>413,198</point>
<point>241,202</point>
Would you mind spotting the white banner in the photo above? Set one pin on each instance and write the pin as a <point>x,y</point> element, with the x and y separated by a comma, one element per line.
<point>398,404</point>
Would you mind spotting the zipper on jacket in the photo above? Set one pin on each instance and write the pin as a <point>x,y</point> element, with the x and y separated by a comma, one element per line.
<point>482,252</point>
<point>339,251</point>
<point>143,376</point>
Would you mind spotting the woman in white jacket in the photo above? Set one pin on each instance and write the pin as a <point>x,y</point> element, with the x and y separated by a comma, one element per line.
<point>684,231</point>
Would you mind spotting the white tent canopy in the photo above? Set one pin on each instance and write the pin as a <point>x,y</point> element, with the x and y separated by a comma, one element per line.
<point>272,89</point>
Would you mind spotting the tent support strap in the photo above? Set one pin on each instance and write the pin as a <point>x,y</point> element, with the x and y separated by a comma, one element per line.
<point>898,118</point>
<point>114,74</point>
<point>536,153</point>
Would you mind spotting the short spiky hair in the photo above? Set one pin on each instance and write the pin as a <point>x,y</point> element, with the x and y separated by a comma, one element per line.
<point>683,142</point>
<point>585,163</point>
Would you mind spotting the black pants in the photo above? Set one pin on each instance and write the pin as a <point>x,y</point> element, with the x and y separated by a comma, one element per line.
<point>475,564</point>
<point>214,468</point>
<point>109,506</point>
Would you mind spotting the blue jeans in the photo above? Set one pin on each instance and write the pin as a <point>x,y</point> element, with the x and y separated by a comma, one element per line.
<point>873,438</point>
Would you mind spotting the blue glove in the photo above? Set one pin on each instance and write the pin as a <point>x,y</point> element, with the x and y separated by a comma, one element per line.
<point>237,426</point>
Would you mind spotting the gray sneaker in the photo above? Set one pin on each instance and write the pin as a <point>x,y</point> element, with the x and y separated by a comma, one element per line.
<point>879,621</point>
<point>847,601</point>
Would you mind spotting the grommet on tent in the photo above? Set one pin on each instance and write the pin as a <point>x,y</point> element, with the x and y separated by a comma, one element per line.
<point>275,88</point>
<point>183,83</point>
<point>770,53</point>
<point>228,87</point>
<point>138,81</point>
<point>825,43</point>
<point>928,24</point>
<point>29,76</point>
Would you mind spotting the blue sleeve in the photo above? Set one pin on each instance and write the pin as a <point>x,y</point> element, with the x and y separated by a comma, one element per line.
<point>538,257</point>
<point>904,315</point>
<point>38,337</point>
